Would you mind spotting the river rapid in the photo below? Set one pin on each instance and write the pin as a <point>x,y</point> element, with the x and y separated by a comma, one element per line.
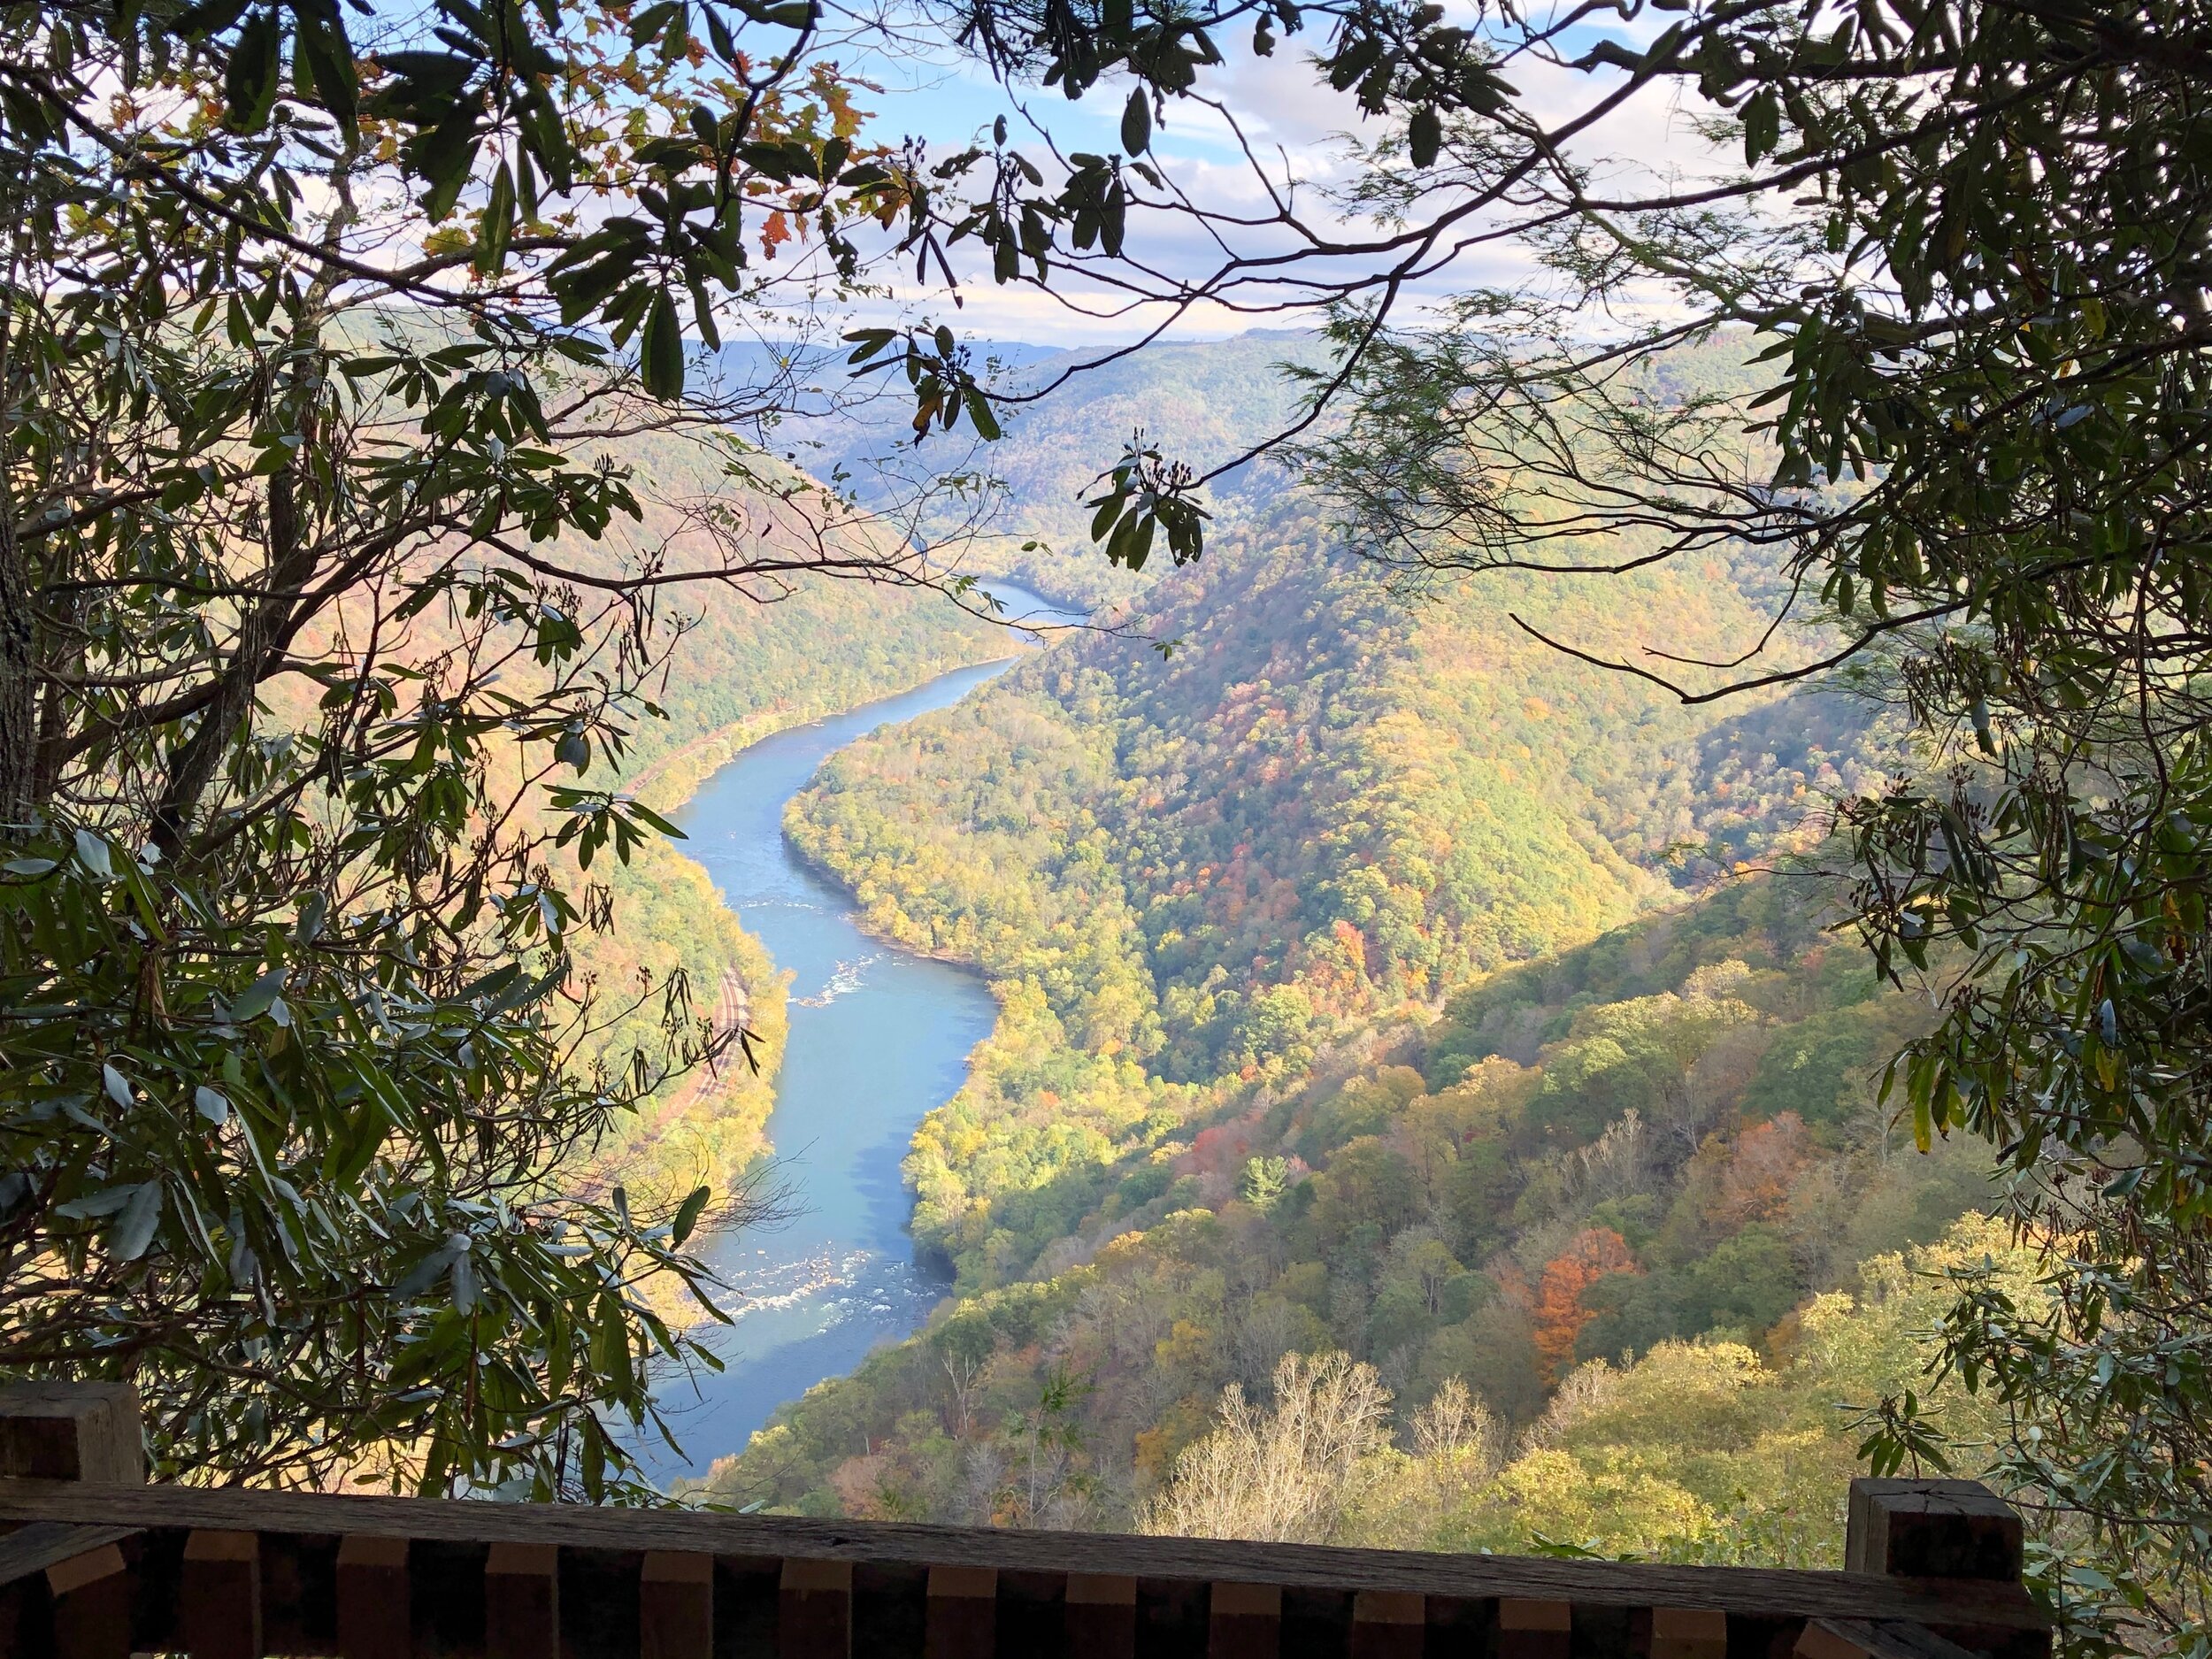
<point>879,1038</point>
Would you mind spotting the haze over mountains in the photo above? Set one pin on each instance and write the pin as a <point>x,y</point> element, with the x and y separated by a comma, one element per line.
<point>1201,402</point>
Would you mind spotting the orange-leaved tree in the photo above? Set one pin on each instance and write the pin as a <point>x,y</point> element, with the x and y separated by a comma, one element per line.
<point>1560,1313</point>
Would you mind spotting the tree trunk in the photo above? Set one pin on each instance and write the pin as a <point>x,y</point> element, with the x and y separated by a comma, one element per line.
<point>290,562</point>
<point>18,667</point>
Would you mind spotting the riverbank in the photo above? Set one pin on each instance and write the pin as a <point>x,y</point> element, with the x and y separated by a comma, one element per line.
<point>672,779</point>
<point>877,1037</point>
<point>711,1129</point>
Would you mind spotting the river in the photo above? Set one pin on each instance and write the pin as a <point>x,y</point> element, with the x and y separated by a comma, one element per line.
<point>879,1038</point>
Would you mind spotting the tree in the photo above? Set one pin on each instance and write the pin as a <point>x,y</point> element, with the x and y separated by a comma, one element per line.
<point>324,583</point>
<point>1935,351</point>
<point>1762,1165</point>
<point>1294,1473</point>
<point>1561,1313</point>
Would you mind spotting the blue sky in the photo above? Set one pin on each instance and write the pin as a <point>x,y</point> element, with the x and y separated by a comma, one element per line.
<point>1292,121</point>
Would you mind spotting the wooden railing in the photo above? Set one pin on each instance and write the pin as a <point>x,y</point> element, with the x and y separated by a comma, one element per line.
<point>99,1563</point>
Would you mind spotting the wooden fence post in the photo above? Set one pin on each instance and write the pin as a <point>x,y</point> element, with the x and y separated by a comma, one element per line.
<point>814,1610</point>
<point>219,1598</point>
<point>78,1431</point>
<point>1929,1529</point>
<point>51,1431</point>
<point>375,1599</point>
<point>675,1605</point>
<point>1389,1625</point>
<point>1932,1529</point>
<point>522,1601</point>
<point>1529,1629</point>
<point>1244,1621</point>
<point>1100,1615</point>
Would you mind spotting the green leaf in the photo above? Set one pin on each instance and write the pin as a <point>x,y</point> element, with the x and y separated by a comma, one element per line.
<point>648,24</point>
<point>255,999</point>
<point>1425,136</point>
<point>1761,125</point>
<point>210,18</point>
<point>1136,124</point>
<point>252,74</point>
<point>118,1089</point>
<point>688,1212</point>
<point>645,814</point>
<point>662,354</point>
<point>135,1230</point>
<point>92,853</point>
<point>980,414</point>
<point>431,1267</point>
<point>498,224</point>
<point>321,45</point>
<point>101,1204</point>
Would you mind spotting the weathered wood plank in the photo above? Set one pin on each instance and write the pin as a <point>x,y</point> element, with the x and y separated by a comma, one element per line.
<point>675,1605</point>
<point>522,1601</point>
<point>1100,1615</point>
<point>1244,1621</point>
<point>1756,1591</point>
<point>1389,1625</point>
<point>962,1619</point>
<point>54,1430</point>
<point>814,1609</point>
<point>1687,1632</point>
<point>65,1578</point>
<point>92,1605</point>
<point>1534,1628</point>
<point>1873,1638</point>
<point>32,1550</point>
<point>1933,1529</point>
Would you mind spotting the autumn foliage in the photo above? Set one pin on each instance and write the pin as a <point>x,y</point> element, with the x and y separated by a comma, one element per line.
<point>1755,1183</point>
<point>1560,1313</point>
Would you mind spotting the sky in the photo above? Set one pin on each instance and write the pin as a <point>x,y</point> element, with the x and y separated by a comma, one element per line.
<point>1293,122</point>
<point>1297,127</point>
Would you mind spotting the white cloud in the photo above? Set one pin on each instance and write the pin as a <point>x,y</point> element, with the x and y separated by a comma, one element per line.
<point>1295,125</point>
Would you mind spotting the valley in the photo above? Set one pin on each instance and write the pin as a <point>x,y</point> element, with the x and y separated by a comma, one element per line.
<point>1596,952</point>
<point>1362,984</point>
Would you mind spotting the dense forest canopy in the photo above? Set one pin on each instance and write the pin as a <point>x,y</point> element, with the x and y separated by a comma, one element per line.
<point>1974,240</point>
<point>1614,1236</point>
<point>1322,807</point>
<point>1971,244</point>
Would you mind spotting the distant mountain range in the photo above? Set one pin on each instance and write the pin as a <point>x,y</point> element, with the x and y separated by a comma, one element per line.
<point>975,504</point>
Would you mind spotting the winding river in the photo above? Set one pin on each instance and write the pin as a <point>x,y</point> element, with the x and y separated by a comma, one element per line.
<point>879,1038</point>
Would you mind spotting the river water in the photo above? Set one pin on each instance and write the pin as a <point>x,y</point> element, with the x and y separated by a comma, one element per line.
<point>879,1038</point>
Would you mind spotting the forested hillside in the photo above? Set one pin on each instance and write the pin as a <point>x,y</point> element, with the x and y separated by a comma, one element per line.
<point>1323,805</point>
<point>738,664</point>
<point>1432,1101</point>
<point>1569,1228</point>
<point>1282,892</point>
<point>1203,404</point>
<point>773,651</point>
